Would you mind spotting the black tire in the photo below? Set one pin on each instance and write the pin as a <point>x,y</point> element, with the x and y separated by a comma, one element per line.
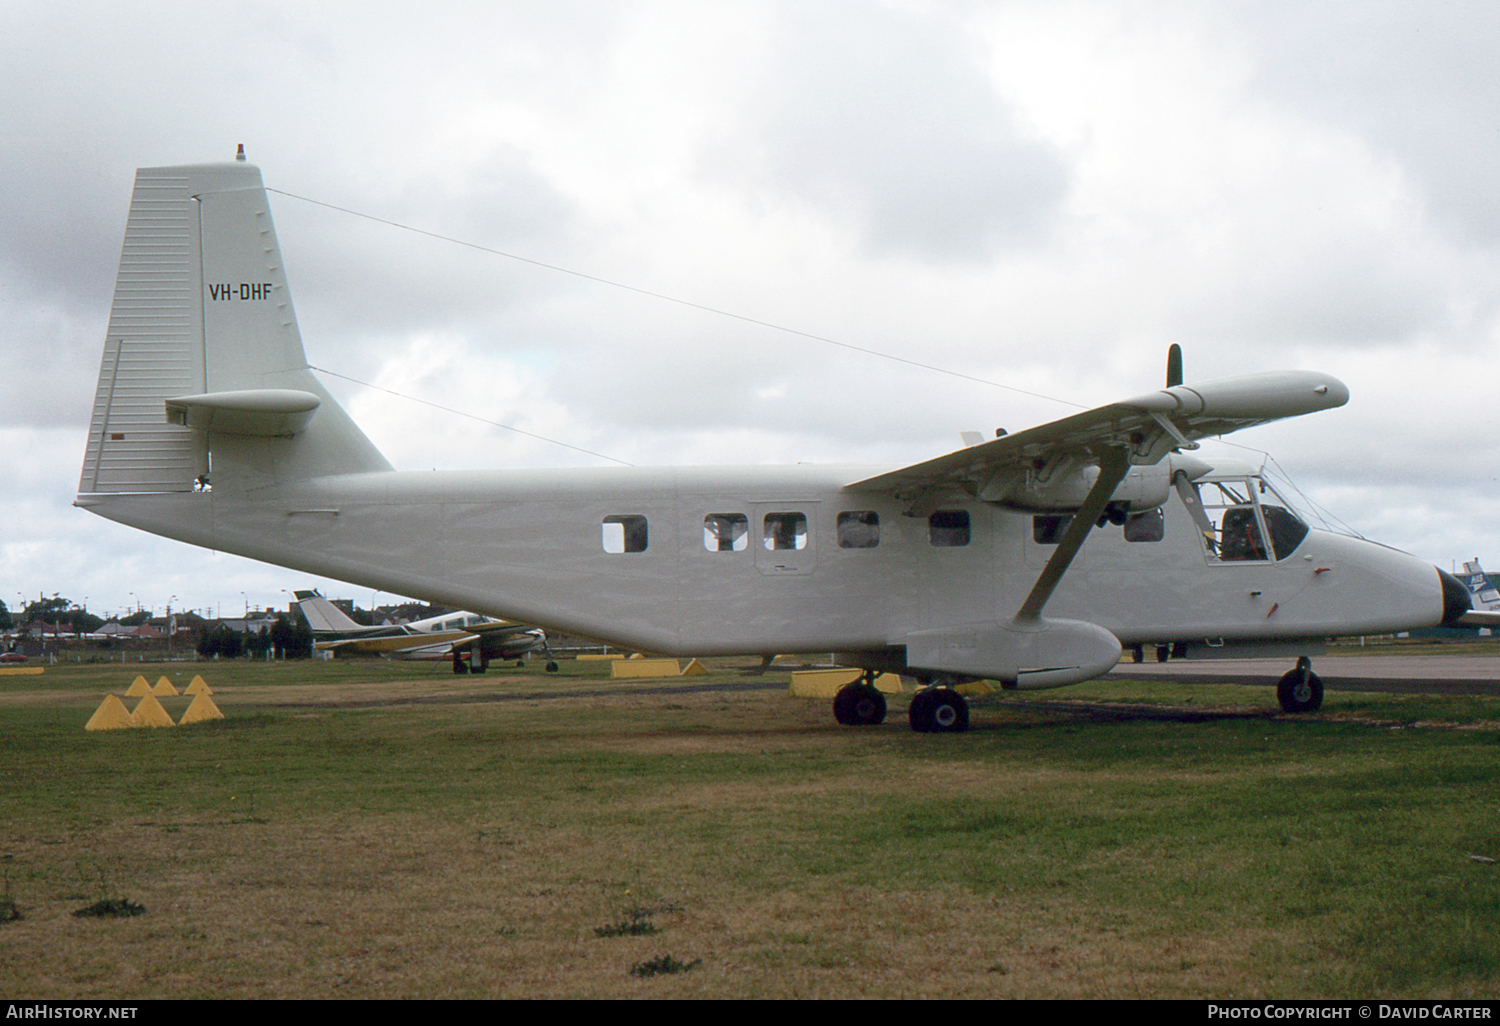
<point>459,666</point>
<point>859,705</point>
<point>939,711</point>
<point>1300,691</point>
<point>551,667</point>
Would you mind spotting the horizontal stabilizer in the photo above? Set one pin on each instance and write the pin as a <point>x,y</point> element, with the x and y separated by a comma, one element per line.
<point>259,412</point>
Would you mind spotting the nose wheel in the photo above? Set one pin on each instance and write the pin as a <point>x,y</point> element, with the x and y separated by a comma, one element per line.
<point>1300,690</point>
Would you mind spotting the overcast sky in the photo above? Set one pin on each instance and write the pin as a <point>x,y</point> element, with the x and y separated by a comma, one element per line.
<point>1040,195</point>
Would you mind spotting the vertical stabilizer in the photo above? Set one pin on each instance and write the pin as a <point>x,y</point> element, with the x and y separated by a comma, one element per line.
<point>204,382</point>
<point>153,348</point>
<point>322,616</point>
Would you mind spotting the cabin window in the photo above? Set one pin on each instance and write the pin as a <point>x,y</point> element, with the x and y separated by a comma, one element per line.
<point>1048,529</point>
<point>624,532</point>
<point>726,532</point>
<point>859,529</point>
<point>1150,526</point>
<point>948,528</point>
<point>785,531</point>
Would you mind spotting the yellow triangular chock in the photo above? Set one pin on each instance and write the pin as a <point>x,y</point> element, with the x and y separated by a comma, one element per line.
<point>694,668</point>
<point>149,713</point>
<point>111,715</point>
<point>138,687</point>
<point>163,687</point>
<point>199,686</point>
<point>203,708</point>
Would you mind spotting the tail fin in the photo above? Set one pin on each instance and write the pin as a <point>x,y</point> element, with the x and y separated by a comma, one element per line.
<point>204,382</point>
<point>322,615</point>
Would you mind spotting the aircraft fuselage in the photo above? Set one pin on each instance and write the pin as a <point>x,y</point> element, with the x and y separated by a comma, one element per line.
<point>788,573</point>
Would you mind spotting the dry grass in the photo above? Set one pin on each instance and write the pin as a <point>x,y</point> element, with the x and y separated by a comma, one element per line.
<point>304,849</point>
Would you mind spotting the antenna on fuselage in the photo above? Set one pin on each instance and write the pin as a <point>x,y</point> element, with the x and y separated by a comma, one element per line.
<point>1174,365</point>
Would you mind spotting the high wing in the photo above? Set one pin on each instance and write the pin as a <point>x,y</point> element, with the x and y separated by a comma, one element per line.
<point>1082,465</point>
<point>1042,467</point>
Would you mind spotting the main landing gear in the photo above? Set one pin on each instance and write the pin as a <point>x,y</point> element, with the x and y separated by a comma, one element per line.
<point>475,663</point>
<point>938,709</point>
<point>860,704</point>
<point>1300,690</point>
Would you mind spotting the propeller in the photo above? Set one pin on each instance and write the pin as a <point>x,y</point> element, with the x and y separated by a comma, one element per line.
<point>1174,365</point>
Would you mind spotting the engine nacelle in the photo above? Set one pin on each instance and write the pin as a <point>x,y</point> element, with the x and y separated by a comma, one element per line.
<point>1144,488</point>
<point>1037,653</point>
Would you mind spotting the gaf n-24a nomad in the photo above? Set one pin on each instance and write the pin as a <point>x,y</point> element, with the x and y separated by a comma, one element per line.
<point>209,427</point>
<point>470,641</point>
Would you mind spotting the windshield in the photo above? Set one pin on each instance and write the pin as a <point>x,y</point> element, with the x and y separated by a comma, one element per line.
<point>1242,519</point>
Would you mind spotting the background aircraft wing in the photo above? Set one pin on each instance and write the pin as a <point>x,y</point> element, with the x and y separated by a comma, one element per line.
<point>1146,427</point>
<point>497,628</point>
<point>398,643</point>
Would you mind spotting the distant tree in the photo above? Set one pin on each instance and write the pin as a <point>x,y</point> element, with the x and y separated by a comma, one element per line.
<point>58,610</point>
<point>222,642</point>
<point>291,641</point>
<point>5,621</point>
<point>257,643</point>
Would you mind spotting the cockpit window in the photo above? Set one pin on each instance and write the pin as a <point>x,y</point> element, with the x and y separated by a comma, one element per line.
<point>1235,524</point>
<point>1286,530</point>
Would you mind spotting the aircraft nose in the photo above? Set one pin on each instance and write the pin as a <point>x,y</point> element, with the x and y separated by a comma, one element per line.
<point>1455,597</point>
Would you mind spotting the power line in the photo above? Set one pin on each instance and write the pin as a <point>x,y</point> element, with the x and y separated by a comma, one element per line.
<point>673,299</point>
<point>461,413</point>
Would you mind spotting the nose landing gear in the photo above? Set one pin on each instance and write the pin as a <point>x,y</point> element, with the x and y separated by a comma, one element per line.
<point>1300,690</point>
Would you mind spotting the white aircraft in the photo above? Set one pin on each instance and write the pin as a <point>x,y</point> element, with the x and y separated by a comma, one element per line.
<point>469,640</point>
<point>209,427</point>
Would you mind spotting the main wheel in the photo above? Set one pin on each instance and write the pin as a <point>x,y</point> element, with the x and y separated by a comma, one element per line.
<point>859,705</point>
<point>939,711</point>
<point>1300,691</point>
<point>459,666</point>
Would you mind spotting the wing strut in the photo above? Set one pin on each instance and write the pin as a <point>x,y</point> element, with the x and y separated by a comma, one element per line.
<point>1114,463</point>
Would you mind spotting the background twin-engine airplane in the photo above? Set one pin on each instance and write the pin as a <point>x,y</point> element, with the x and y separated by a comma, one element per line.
<point>470,641</point>
<point>209,427</point>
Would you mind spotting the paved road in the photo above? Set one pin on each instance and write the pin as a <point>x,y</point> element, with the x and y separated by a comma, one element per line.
<point>1434,674</point>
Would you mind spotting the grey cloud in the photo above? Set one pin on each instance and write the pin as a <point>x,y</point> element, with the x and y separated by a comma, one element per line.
<point>889,119</point>
<point>1418,81</point>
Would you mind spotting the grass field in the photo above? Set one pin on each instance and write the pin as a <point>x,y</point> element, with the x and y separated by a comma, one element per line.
<point>383,830</point>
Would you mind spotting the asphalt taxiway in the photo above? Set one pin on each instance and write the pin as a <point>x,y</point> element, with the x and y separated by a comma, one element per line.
<point>1432,674</point>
